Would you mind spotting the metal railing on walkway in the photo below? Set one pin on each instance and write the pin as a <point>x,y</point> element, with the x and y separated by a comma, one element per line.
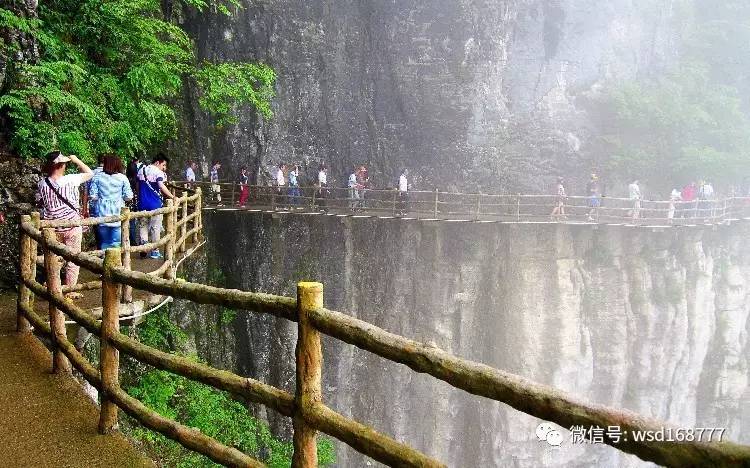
<point>306,408</point>
<point>476,206</point>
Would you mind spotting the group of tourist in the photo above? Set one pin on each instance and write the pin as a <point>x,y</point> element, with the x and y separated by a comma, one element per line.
<point>107,190</point>
<point>285,181</point>
<point>688,199</point>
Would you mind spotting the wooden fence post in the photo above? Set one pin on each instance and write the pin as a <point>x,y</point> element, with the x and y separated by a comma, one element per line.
<point>479,205</point>
<point>393,203</point>
<point>171,232</point>
<point>109,356</point>
<point>27,262</point>
<point>273,198</point>
<point>33,249</point>
<point>60,363</point>
<point>127,291</point>
<point>234,187</point>
<point>312,202</point>
<point>437,196</point>
<point>309,356</point>
<point>198,217</point>
<point>183,227</point>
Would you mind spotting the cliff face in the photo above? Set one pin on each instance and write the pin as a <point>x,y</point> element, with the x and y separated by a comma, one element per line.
<point>464,92</point>
<point>654,322</point>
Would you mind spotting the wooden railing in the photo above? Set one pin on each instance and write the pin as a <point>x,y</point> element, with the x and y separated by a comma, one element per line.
<point>306,407</point>
<point>477,206</point>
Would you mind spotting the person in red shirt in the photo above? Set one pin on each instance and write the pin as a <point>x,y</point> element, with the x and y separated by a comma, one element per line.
<point>689,194</point>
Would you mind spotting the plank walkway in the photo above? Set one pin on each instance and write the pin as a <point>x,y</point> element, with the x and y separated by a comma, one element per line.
<point>573,220</point>
<point>46,420</point>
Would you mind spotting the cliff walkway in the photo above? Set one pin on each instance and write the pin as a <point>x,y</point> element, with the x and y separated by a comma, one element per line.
<point>488,208</point>
<point>114,277</point>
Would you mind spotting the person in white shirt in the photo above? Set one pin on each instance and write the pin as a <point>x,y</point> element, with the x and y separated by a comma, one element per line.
<point>190,174</point>
<point>280,184</point>
<point>634,192</point>
<point>706,195</point>
<point>403,192</point>
<point>558,211</point>
<point>322,187</point>
<point>674,198</point>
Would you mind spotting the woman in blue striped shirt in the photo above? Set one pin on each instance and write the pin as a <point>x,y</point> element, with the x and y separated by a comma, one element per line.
<point>110,189</point>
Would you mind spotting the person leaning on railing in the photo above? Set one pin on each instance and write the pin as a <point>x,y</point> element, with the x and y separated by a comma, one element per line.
<point>58,198</point>
<point>109,191</point>
<point>151,186</point>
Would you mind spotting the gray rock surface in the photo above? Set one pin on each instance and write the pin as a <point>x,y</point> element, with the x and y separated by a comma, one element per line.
<point>499,94</point>
<point>654,322</point>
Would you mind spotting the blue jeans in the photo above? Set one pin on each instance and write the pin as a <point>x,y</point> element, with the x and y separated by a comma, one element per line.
<point>110,236</point>
<point>294,195</point>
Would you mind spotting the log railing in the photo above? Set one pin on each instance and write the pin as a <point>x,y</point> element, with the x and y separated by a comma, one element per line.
<point>480,206</point>
<point>306,407</point>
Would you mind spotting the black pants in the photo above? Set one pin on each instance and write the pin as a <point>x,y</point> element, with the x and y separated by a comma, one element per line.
<point>403,202</point>
<point>322,194</point>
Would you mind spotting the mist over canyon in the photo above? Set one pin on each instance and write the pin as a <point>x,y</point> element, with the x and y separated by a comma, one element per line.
<point>498,95</point>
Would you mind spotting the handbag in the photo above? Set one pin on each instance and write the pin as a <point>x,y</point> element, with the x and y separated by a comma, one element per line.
<point>66,201</point>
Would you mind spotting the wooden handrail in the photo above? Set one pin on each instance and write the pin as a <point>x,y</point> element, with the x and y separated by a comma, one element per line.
<point>305,407</point>
<point>507,207</point>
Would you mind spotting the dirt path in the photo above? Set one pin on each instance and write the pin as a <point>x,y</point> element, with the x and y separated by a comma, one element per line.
<point>46,420</point>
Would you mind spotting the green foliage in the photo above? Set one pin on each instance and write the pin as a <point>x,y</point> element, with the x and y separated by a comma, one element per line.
<point>225,84</point>
<point>691,122</point>
<point>214,412</point>
<point>108,77</point>
<point>227,316</point>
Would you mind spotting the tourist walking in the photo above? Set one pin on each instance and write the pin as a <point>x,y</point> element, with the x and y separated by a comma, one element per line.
<point>322,187</point>
<point>403,192</point>
<point>560,198</point>
<point>674,198</point>
<point>689,194</point>
<point>90,204</point>
<point>593,188</point>
<point>89,208</point>
<point>280,183</point>
<point>294,190</point>
<point>190,174</point>
<point>363,179</point>
<point>152,182</point>
<point>634,193</point>
<point>58,198</point>
<point>214,178</point>
<point>706,195</point>
<point>110,190</point>
<point>244,180</point>
<point>354,190</point>
<point>131,172</point>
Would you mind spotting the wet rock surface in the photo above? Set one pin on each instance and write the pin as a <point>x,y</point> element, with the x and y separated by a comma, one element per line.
<point>17,184</point>
<point>490,95</point>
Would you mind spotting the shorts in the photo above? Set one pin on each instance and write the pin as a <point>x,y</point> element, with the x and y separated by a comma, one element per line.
<point>595,202</point>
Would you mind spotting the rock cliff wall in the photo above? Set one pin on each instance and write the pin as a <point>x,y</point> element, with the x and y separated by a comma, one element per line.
<point>655,322</point>
<point>464,92</point>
